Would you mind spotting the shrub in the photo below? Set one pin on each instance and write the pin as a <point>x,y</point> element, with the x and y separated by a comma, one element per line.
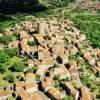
<point>32,70</point>
<point>53,3</point>
<point>16,35</point>
<point>32,43</point>
<point>3,57</point>
<point>17,66</point>
<point>2,69</point>
<point>86,80</point>
<point>11,51</point>
<point>98,96</point>
<point>68,98</point>
<point>10,78</point>
<point>56,65</point>
<point>46,37</point>
<point>76,85</point>
<point>38,77</point>
<point>6,39</point>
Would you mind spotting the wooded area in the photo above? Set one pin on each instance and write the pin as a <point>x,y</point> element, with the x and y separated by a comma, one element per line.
<point>9,6</point>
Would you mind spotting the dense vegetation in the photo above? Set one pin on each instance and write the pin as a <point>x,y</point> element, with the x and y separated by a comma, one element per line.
<point>10,63</point>
<point>89,24</point>
<point>30,5</point>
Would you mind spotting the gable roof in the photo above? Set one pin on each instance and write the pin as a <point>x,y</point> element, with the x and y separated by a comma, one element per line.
<point>85,94</point>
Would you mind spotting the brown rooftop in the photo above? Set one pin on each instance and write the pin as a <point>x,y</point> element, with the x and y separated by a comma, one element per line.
<point>85,94</point>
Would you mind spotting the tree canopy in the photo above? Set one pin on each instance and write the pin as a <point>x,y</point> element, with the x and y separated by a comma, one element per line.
<point>29,5</point>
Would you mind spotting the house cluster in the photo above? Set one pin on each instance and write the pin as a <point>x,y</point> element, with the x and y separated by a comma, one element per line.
<point>90,5</point>
<point>48,44</point>
<point>22,91</point>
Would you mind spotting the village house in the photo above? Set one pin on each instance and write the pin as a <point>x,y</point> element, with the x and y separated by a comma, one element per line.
<point>74,73</point>
<point>60,95</point>
<point>60,35</point>
<point>31,87</point>
<point>50,43</point>
<point>36,62</point>
<point>13,44</point>
<point>82,37</point>
<point>58,53</point>
<point>89,59</point>
<point>1,46</point>
<point>18,84</point>
<point>39,38</point>
<point>52,32</point>
<point>94,70</point>
<point>61,71</point>
<point>79,46</point>
<point>98,64</point>
<point>73,69</point>
<point>71,90</point>
<point>1,34</point>
<point>24,48</point>
<point>21,93</point>
<point>98,69</point>
<point>43,53</point>
<point>98,53</point>
<point>85,95</point>
<point>7,31</point>
<point>27,25</point>
<point>71,33</point>
<point>67,37</point>
<point>16,29</point>
<point>73,64</point>
<point>29,77</point>
<point>64,57</point>
<point>47,83</point>
<point>41,73</point>
<point>5,94</point>
<point>23,35</point>
<point>31,38</point>
<point>74,40</point>
<point>33,50</point>
<point>73,50</point>
<point>55,94</point>
<point>75,30</point>
<point>30,63</point>
<point>46,63</point>
<point>38,95</point>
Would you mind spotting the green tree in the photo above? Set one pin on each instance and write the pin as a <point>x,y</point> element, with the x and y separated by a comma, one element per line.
<point>68,98</point>
<point>32,43</point>
<point>2,68</point>
<point>10,78</point>
<point>6,39</point>
<point>17,66</point>
<point>86,80</point>
<point>76,85</point>
<point>11,51</point>
<point>3,57</point>
<point>53,3</point>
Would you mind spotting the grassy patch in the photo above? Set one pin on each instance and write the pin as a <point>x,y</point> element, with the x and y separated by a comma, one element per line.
<point>6,24</point>
<point>3,82</point>
<point>89,25</point>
